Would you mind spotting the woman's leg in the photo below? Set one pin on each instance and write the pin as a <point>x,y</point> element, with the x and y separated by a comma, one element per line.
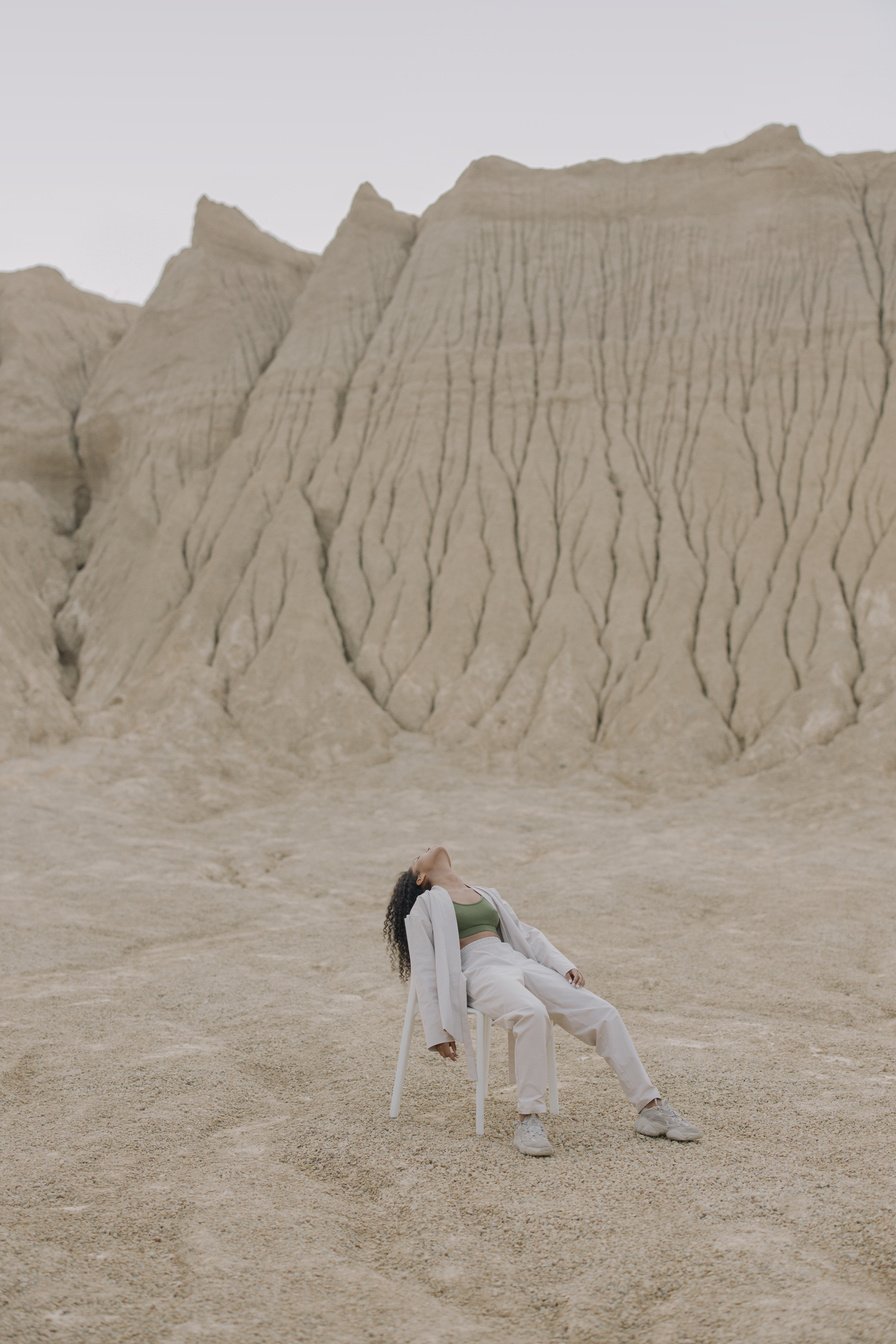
<point>496,988</point>
<point>594,1020</point>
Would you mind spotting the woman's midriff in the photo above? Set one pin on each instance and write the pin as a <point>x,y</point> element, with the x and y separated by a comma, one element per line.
<point>473,937</point>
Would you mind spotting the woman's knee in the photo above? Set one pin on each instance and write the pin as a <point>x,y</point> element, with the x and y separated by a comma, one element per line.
<point>603,1006</point>
<point>606,1014</point>
<point>529,1013</point>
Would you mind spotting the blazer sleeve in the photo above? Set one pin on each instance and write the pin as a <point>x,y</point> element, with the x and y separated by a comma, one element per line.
<point>542,949</point>
<point>418,927</point>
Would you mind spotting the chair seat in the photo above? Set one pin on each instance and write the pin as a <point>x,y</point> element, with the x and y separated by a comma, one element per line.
<point>483,1050</point>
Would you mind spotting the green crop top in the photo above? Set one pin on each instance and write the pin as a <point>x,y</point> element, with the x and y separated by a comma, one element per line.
<point>475,917</point>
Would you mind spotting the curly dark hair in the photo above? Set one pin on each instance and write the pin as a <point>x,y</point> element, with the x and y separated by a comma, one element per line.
<point>404,894</point>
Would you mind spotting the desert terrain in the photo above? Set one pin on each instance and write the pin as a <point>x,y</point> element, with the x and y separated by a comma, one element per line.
<point>198,1144</point>
<point>555,526</point>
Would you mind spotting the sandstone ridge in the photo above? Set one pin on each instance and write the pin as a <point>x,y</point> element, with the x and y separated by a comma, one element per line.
<point>583,464</point>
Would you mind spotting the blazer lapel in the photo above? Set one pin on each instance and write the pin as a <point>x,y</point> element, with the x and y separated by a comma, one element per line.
<point>510,930</point>
<point>447,950</point>
<point>451,983</point>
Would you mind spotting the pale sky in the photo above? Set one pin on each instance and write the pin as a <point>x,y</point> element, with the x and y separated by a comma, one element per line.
<point>119,114</point>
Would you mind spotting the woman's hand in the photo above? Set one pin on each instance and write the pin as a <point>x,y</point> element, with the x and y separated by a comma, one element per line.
<point>447,1049</point>
<point>575,976</point>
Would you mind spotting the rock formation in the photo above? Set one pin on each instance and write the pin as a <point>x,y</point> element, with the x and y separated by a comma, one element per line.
<point>591,460</point>
<point>52,340</point>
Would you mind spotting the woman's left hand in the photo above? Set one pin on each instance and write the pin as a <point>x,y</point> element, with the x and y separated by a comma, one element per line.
<point>575,976</point>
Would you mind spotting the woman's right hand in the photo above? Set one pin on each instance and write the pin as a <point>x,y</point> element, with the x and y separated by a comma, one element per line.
<point>447,1049</point>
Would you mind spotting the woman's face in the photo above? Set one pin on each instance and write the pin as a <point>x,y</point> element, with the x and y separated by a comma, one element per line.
<point>425,862</point>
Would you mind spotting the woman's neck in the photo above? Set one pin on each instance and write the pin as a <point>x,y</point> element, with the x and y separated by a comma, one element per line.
<point>449,881</point>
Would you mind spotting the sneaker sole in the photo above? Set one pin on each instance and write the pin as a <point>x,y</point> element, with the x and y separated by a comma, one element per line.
<point>664,1134</point>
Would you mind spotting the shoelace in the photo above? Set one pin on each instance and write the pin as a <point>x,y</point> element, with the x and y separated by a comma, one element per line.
<point>533,1124</point>
<point>662,1108</point>
<point>672,1117</point>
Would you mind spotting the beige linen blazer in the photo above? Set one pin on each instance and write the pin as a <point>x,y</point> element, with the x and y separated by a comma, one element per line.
<point>434,947</point>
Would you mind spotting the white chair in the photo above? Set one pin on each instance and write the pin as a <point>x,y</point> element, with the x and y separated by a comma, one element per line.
<point>483,1043</point>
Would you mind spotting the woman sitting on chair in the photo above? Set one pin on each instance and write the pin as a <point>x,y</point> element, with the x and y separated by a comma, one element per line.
<point>467,949</point>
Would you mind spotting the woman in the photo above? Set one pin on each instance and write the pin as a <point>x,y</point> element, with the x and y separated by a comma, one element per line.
<point>468,949</point>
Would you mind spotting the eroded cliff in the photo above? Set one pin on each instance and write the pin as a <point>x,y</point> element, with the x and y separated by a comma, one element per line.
<point>591,460</point>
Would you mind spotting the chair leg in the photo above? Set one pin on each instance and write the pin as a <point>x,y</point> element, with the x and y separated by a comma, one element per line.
<point>483,1041</point>
<point>404,1051</point>
<point>488,1052</point>
<point>553,1095</point>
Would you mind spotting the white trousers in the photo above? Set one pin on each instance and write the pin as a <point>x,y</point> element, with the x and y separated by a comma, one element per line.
<point>525,997</point>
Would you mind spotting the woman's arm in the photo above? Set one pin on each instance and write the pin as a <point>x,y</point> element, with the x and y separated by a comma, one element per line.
<point>418,927</point>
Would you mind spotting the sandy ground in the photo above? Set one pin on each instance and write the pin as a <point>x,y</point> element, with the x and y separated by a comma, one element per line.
<point>197,1143</point>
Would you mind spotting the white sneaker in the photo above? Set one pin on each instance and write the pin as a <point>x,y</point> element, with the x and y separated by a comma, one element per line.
<point>664,1119</point>
<point>530,1138</point>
